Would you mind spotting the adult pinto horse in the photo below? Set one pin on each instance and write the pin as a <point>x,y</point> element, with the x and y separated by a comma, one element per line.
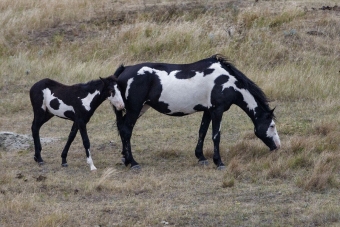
<point>210,85</point>
<point>76,103</point>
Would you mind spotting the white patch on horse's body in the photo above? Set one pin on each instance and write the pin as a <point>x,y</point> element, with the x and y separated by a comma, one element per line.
<point>272,133</point>
<point>182,95</point>
<point>90,161</point>
<point>88,99</point>
<point>48,97</point>
<point>247,97</point>
<point>117,99</point>
<point>128,87</point>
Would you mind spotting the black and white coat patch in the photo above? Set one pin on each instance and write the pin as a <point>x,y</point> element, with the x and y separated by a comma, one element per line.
<point>211,85</point>
<point>76,103</point>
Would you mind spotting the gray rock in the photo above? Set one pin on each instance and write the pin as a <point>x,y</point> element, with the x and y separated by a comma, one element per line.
<point>10,141</point>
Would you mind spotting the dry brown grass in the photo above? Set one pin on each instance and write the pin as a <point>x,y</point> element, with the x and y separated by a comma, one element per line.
<point>289,48</point>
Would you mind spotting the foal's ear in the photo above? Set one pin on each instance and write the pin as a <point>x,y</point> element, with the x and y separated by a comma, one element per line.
<point>106,83</point>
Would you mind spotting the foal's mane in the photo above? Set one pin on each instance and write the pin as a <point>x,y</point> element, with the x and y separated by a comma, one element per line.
<point>90,84</point>
<point>255,90</point>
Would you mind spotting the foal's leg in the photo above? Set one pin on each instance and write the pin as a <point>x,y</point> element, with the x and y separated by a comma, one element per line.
<point>202,133</point>
<point>216,117</point>
<point>71,137</point>
<point>40,117</point>
<point>86,143</point>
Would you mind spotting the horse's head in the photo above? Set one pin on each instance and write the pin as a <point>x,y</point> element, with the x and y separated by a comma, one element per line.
<point>265,129</point>
<point>114,94</point>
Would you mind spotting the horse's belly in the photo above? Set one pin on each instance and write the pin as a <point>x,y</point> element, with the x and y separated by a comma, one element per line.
<point>185,95</point>
<point>186,104</point>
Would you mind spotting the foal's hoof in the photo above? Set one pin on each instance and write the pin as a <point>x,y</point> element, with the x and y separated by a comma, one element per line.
<point>203,162</point>
<point>64,165</point>
<point>136,168</point>
<point>221,168</point>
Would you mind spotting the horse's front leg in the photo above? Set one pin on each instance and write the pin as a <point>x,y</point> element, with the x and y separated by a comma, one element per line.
<point>216,117</point>
<point>202,133</point>
<point>71,137</point>
<point>86,143</point>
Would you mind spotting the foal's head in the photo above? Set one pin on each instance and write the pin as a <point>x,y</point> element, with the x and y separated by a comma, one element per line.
<point>114,94</point>
<point>265,129</point>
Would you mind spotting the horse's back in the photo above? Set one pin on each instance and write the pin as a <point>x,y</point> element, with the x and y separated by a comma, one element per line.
<point>174,89</point>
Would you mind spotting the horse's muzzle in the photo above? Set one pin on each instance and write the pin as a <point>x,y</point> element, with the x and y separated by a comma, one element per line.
<point>277,146</point>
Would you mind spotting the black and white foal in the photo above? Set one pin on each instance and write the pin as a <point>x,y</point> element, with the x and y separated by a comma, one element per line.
<point>211,85</point>
<point>76,102</point>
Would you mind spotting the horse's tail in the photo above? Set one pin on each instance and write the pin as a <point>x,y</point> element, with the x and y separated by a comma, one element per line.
<point>119,118</point>
<point>119,71</point>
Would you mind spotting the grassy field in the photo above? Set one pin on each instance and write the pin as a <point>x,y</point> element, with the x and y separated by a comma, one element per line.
<point>290,48</point>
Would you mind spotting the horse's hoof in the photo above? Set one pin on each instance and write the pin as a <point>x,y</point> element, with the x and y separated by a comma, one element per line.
<point>203,162</point>
<point>41,163</point>
<point>221,168</point>
<point>123,160</point>
<point>64,165</point>
<point>135,168</point>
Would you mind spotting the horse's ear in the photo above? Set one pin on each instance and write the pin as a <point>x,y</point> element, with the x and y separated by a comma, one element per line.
<point>272,113</point>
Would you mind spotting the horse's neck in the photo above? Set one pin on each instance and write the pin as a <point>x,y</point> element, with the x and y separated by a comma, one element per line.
<point>251,112</point>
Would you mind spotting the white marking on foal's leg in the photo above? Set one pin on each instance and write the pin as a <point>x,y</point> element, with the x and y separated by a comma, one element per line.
<point>90,161</point>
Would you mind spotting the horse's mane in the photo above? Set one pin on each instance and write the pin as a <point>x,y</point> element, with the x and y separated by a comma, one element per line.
<point>255,90</point>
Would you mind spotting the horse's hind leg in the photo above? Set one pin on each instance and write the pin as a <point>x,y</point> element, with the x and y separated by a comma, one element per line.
<point>71,137</point>
<point>202,133</point>
<point>40,117</point>
<point>216,117</point>
<point>125,126</point>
